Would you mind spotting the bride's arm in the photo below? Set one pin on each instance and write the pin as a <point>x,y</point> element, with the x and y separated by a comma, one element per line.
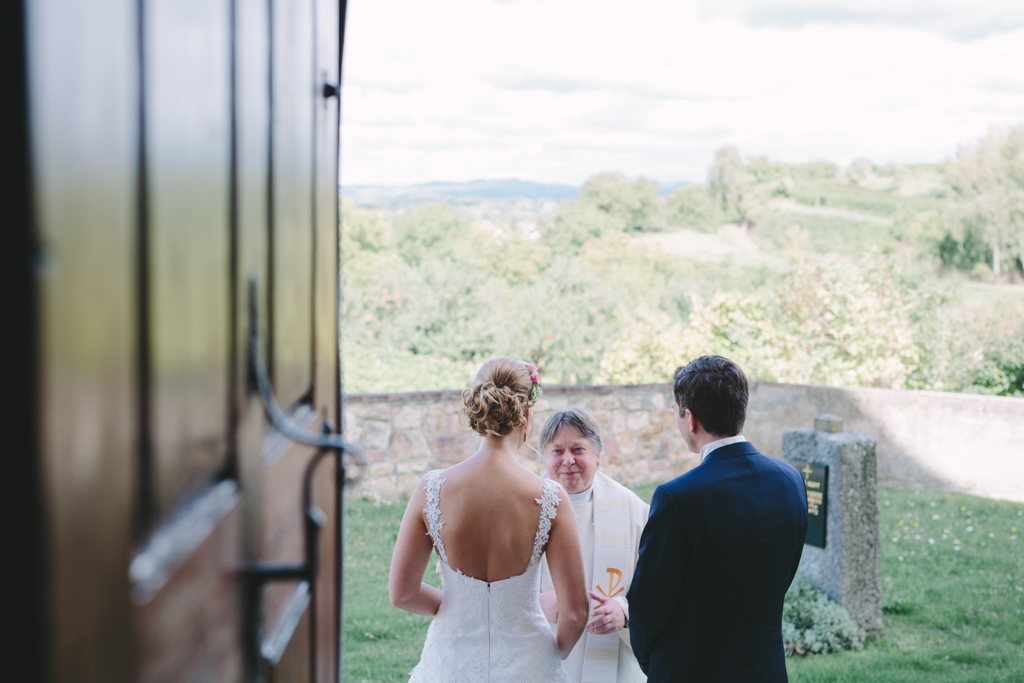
<point>565,562</point>
<point>412,552</point>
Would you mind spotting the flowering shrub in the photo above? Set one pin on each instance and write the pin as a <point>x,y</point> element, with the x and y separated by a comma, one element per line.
<point>644,352</point>
<point>836,324</point>
<point>609,309</point>
<point>822,324</point>
<point>813,624</point>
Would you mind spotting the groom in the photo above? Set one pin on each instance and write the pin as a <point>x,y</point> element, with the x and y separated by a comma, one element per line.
<point>721,546</point>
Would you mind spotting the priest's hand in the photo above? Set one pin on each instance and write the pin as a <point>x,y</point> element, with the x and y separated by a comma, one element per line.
<point>607,617</point>
<point>549,605</point>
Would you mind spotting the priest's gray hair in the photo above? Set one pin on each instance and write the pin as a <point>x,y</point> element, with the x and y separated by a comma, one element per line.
<point>578,419</point>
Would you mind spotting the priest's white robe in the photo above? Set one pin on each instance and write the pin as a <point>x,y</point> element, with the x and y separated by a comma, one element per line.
<point>619,547</point>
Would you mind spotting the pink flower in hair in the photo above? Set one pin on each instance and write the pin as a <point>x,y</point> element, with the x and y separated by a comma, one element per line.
<point>535,390</point>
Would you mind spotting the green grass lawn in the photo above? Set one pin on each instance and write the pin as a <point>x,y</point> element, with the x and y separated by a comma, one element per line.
<point>382,643</point>
<point>949,614</point>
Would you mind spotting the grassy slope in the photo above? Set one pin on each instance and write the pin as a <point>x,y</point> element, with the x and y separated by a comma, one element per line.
<point>826,234</point>
<point>951,615</point>
<point>836,194</point>
<point>841,234</point>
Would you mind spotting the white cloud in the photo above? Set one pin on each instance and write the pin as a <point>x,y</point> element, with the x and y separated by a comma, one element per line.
<point>954,18</point>
<point>558,90</point>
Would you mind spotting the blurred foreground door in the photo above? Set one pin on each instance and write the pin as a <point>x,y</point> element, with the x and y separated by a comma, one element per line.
<point>171,157</point>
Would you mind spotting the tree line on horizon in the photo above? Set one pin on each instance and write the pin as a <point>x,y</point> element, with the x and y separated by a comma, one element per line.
<point>977,220</point>
<point>430,294</point>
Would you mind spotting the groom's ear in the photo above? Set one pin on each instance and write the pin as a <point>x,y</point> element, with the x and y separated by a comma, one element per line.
<point>692,423</point>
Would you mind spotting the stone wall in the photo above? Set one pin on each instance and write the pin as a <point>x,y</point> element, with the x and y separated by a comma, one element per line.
<point>928,440</point>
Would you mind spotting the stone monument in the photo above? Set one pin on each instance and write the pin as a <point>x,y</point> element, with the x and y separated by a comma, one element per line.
<point>841,551</point>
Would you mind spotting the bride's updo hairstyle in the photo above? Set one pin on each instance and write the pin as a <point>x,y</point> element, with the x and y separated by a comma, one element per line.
<point>499,398</point>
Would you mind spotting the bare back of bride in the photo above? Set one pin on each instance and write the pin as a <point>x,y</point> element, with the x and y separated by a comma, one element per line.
<point>490,520</point>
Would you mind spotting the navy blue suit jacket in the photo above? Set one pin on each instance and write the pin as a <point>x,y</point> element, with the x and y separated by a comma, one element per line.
<point>719,551</point>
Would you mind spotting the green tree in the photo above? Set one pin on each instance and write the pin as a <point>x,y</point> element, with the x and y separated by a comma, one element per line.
<point>438,229</point>
<point>363,228</point>
<point>733,187</point>
<point>366,245</point>
<point>513,257</point>
<point>861,170</point>
<point>965,253</point>
<point>978,351</point>
<point>765,171</point>
<point>431,309</point>
<point>634,205</point>
<point>643,352</point>
<point>814,170</point>
<point>691,207</point>
<point>574,225</point>
<point>986,192</point>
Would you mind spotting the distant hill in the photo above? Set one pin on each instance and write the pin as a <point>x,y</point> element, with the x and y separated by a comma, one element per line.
<point>669,188</point>
<point>392,195</point>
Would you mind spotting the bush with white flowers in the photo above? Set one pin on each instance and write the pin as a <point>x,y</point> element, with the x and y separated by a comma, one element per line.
<point>814,624</point>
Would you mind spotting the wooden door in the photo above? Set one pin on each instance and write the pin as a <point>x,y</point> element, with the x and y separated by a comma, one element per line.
<point>176,156</point>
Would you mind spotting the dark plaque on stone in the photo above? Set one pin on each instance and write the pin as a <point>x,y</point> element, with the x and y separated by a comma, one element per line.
<point>840,472</point>
<point>816,482</point>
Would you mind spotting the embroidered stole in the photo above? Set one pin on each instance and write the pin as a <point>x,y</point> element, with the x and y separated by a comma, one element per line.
<point>612,574</point>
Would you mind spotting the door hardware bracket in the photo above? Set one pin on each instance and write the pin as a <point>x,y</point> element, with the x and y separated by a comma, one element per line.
<point>326,442</point>
<point>256,574</point>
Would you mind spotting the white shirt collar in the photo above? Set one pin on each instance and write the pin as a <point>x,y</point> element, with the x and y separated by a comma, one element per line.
<point>582,497</point>
<point>715,445</point>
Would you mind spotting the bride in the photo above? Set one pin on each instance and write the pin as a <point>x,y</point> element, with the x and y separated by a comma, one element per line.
<point>490,520</point>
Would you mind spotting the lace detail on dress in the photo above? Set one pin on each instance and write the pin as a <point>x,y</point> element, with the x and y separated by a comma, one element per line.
<point>548,502</point>
<point>489,631</point>
<point>433,511</point>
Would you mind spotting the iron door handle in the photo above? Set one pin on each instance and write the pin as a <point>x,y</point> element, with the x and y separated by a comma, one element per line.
<point>327,442</point>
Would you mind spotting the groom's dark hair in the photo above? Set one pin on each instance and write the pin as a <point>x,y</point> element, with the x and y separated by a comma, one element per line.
<point>715,390</point>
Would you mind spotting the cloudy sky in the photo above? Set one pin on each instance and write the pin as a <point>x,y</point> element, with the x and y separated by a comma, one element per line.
<point>556,90</point>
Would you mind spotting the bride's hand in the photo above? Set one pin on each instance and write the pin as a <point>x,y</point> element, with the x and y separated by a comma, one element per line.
<point>549,604</point>
<point>608,617</point>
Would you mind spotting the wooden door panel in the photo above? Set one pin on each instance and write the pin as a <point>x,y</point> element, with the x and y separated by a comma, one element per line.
<point>168,171</point>
<point>187,105</point>
<point>82,137</point>
<point>187,609</point>
<point>252,163</point>
<point>326,380</point>
<point>283,530</point>
<point>283,541</point>
<point>285,651</point>
<point>291,258</point>
<point>327,633</point>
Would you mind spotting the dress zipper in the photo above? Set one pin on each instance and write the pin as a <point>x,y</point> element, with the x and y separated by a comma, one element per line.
<point>488,633</point>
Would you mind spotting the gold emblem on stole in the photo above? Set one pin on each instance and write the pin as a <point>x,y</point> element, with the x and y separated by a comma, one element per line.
<point>614,582</point>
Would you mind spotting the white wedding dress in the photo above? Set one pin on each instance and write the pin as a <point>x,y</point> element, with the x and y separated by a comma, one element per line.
<point>489,632</point>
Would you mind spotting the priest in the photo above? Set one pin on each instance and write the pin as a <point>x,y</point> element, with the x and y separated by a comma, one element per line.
<point>611,519</point>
